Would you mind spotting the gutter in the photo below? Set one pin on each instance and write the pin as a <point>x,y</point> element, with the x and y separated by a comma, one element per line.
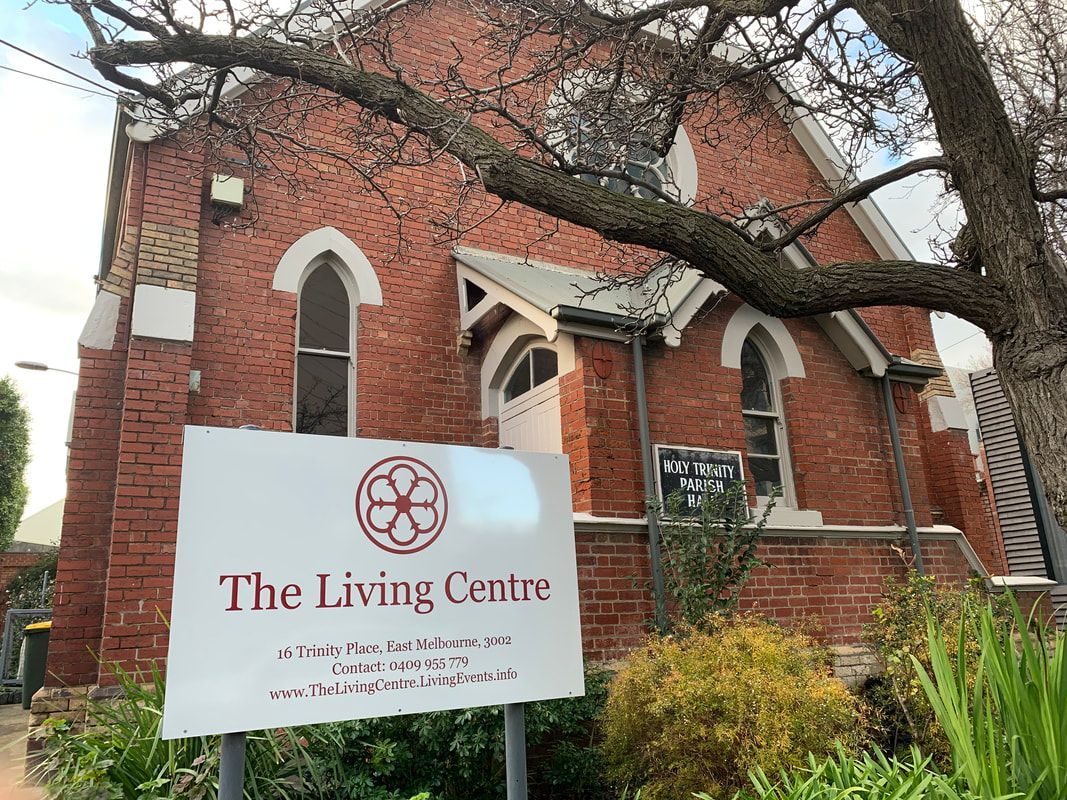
<point>117,171</point>
<point>902,472</point>
<point>620,324</point>
<point>654,555</point>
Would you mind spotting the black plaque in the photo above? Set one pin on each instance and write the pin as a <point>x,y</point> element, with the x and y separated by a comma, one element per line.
<point>694,473</point>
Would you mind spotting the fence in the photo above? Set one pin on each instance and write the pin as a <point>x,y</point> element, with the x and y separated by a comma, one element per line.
<point>15,621</point>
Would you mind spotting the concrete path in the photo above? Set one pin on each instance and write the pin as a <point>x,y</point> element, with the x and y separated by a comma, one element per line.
<point>13,726</point>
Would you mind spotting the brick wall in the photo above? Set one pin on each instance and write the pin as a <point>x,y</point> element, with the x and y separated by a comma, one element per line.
<point>829,584</point>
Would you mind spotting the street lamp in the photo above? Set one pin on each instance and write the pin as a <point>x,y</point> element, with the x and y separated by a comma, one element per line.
<point>37,366</point>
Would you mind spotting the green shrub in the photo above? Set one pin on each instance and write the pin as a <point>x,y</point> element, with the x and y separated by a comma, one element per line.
<point>459,755</point>
<point>24,590</point>
<point>898,710</point>
<point>119,756</point>
<point>1007,723</point>
<point>698,712</point>
<point>869,776</point>
<point>708,557</point>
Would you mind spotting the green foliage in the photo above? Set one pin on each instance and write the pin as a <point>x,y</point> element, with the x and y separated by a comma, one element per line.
<point>14,455</point>
<point>869,776</point>
<point>899,713</point>
<point>121,757</point>
<point>24,590</point>
<point>707,558</point>
<point>459,755</point>
<point>1007,725</point>
<point>699,711</point>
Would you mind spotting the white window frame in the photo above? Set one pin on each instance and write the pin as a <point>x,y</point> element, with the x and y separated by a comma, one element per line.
<point>353,321</point>
<point>781,432</point>
<point>505,405</point>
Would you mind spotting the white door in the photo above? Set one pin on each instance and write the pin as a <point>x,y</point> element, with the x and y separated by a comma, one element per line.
<point>531,422</point>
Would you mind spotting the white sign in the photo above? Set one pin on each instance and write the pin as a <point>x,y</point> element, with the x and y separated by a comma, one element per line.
<point>326,578</point>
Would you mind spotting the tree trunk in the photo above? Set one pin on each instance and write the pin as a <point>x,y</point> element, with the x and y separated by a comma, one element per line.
<point>994,178</point>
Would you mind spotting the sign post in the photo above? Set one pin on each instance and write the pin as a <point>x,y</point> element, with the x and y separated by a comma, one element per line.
<point>324,578</point>
<point>515,750</point>
<point>232,766</point>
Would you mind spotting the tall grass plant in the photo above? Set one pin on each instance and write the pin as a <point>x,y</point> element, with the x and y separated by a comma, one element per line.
<point>1007,731</point>
<point>120,756</point>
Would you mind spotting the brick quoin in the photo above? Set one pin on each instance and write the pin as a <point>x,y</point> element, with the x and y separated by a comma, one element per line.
<point>414,383</point>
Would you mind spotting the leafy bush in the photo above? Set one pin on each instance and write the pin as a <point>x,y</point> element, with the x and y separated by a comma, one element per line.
<point>708,557</point>
<point>14,456</point>
<point>24,590</point>
<point>899,712</point>
<point>121,757</point>
<point>698,712</point>
<point>459,755</point>
<point>870,776</point>
<point>1007,723</point>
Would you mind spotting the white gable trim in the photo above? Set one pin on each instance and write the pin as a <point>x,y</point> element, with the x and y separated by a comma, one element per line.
<point>495,294</point>
<point>854,341</point>
<point>781,346</point>
<point>324,243</point>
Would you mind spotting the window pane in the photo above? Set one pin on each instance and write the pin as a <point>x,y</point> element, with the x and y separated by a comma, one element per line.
<point>767,474</point>
<point>324,314</point>
<point>755,384</point>
<point>520,380</point>
<point>321,395</point>
<point>759,435</point>
<point>545,366</point>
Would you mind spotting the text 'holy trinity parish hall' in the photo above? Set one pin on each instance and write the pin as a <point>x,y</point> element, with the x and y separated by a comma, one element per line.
<point>310,318</point>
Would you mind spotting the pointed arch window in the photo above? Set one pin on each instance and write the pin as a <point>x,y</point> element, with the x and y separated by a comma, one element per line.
<point>323,402</point>
<point>765,439</point>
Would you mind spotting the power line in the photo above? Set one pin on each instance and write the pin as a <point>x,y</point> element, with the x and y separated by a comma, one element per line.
<point>44,60</point>
<point>961,341</point>
<point>57,83</point>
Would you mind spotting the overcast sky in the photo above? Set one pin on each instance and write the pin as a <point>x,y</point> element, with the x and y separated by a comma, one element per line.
<point>55,142</point>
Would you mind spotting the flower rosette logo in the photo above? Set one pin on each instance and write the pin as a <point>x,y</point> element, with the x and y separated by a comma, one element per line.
<point>401,505</point>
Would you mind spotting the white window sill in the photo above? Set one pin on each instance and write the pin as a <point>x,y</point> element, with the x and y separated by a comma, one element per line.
<point>1021,582</point>
<point>790,517</point>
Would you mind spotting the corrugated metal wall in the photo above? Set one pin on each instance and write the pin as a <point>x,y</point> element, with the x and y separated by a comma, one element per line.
<point>1011,491</point>
<point>1015,506</point>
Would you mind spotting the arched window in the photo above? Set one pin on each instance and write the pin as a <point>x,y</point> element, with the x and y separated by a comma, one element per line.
<point>529,403</point>
<point>535,368</point>
<point>765,440</point>
<point>323,401</point>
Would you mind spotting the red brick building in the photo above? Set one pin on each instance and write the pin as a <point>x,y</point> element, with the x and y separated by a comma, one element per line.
<point>313,319</point>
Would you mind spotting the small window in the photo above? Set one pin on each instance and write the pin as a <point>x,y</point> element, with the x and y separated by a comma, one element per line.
<point>324,355</point>
<point>538,366</point>
<point>764,426</point>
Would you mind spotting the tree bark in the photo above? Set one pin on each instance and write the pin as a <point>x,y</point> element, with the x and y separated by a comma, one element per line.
<point>994,179</point>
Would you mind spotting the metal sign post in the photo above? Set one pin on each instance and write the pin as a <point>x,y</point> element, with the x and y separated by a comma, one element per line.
<point>232,747</point>
<point>515,750</point>
<point>232,766</point>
